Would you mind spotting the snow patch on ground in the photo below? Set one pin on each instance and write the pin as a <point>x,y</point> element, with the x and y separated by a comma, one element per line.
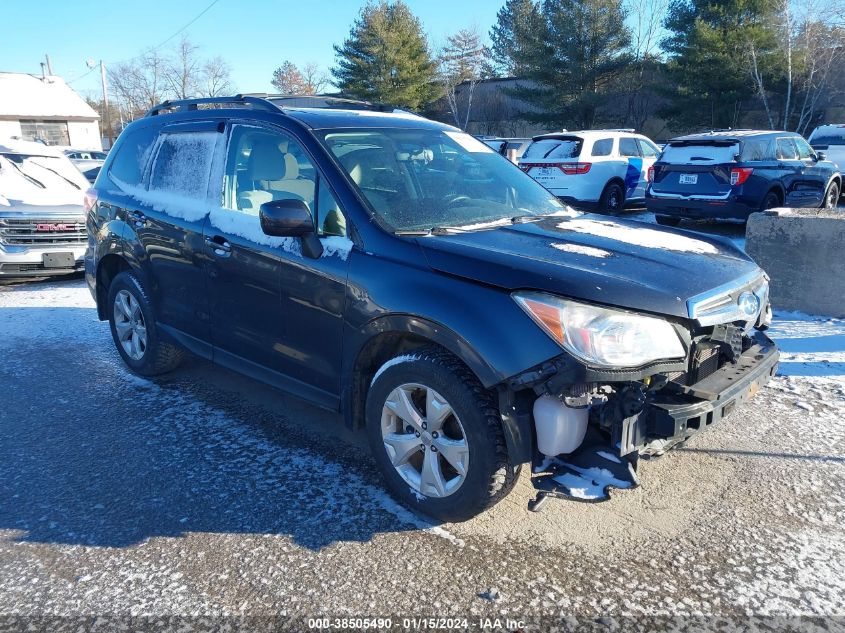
<point>809,345</point>
<point>639,236</point>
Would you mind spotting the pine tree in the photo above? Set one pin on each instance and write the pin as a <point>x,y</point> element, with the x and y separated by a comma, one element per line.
<point>518,29</point>
<point>570,52</point>
<point>386,58</point>
<point>709,62</point>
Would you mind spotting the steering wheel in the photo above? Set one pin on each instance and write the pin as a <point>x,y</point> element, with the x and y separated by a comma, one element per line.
<point>457,199</point>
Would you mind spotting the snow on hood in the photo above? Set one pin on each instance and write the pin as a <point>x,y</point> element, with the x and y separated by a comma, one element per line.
<point>639,236</point>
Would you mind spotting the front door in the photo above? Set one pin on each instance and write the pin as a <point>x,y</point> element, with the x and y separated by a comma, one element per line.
<point>276,314</point>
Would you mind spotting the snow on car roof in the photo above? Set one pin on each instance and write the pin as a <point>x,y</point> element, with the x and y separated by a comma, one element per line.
<point>726,135</point>
<point>586,134</point>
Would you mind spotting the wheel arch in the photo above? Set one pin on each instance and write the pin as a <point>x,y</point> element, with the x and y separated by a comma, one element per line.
<point>389,336</point>
<point>109,267</point>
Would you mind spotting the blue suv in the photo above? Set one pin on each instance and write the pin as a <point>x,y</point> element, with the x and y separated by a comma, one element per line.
<point>731,174</point>
<point>402,274</point>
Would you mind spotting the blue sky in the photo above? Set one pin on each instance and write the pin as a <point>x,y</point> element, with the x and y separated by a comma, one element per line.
<point>253,36</point>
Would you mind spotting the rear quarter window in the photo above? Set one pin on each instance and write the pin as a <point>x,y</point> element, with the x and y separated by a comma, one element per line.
<point>132,153</point>
<point>550,148</point>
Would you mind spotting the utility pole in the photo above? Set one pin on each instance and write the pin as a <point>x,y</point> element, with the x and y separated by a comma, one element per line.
<point>106,103</point>
<point>49,66</point>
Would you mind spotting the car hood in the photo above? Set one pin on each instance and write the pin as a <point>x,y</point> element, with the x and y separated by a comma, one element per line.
<point>594,258</point>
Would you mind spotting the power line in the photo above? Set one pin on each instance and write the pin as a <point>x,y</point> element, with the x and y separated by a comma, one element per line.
<point>82,76</point>
<point>162,43</point>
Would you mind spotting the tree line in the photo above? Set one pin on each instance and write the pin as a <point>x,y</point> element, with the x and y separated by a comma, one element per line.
<point>579,64</point>
<point>583,63</point>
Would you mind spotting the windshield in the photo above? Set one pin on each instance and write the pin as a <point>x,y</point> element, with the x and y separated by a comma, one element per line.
<point>417,180</point>
<point>39,180</point>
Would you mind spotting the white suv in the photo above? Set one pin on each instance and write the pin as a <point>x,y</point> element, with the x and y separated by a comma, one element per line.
<point>830,139</point>
<point>593,169</point>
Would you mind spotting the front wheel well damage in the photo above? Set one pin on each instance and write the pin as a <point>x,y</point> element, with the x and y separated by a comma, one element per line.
<point>108,268</point>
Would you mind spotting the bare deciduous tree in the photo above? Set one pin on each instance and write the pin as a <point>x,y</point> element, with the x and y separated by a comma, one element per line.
<point>462,62</point>
<point>139,84</point>
<point>216,78</point>
<point>182,71</point>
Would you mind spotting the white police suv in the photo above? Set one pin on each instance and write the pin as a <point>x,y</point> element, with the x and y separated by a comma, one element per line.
<point>598,170</point>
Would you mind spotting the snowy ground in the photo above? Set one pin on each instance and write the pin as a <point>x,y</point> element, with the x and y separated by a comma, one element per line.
<point>204,493</point>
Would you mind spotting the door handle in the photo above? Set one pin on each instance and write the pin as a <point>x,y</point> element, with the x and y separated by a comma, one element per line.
<point>138,218</point>
<point>219,245</point>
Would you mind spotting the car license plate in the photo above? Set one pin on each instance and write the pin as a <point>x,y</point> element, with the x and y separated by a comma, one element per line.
<point>688,179</point>
<point>58,260</point>
<point>544,172</point>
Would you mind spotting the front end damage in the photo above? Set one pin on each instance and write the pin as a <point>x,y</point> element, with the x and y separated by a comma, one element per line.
<point>628,415</point>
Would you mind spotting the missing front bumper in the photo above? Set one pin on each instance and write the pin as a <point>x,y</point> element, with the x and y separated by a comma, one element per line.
<point>670,417</point>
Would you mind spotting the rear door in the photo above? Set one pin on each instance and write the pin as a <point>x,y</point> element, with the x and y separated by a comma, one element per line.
<point>696,168</point>
<point>795,182</point>
<point>169,225</point>
<point>635,178</point>
<point>816,176</point>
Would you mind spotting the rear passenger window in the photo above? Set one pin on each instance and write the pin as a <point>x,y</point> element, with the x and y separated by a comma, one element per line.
<point>133,152</point>
<point>786,149</point>
<point>183,163</point>
<point>603,147</point>
<point>628,147</point>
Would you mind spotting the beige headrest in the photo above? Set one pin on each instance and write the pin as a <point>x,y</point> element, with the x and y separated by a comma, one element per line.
<point>291,167</point>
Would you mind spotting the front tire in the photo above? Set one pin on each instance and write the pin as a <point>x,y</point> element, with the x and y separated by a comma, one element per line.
<point>133,328</point>
<point>436,434</point>
<point>831,197</point>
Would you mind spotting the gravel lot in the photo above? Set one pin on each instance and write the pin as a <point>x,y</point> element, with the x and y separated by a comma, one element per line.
<point>204,493</point>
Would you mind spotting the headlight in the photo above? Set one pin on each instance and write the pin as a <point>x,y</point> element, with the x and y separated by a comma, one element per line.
<point>602,337</point>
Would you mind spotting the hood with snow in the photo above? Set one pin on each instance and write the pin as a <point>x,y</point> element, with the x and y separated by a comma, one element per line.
<point>622,263</point>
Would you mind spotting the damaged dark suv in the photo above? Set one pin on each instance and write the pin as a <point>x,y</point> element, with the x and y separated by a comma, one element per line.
<point>398,271</point>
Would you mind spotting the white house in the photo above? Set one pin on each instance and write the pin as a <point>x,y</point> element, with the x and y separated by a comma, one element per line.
<point>46,108</point>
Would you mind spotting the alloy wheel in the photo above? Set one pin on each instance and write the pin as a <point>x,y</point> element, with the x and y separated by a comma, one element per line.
<point>424,440</point>
<point>130,325</point>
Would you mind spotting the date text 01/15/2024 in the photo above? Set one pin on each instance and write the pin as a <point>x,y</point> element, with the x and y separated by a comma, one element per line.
<point>415,623</point>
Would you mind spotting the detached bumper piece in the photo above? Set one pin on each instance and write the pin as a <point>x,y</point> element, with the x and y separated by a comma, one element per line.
<point>587,475</point>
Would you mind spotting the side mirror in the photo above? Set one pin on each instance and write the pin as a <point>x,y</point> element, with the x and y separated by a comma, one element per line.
<point>291,218</point>
<point>821,156</point>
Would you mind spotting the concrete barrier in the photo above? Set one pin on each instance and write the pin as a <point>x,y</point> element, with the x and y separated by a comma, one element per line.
<point>803,251</point>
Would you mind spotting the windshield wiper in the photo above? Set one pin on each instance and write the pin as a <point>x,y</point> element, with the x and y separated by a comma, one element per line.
<point>413,232</point>
<point>57,173</point>
<point>35,181</point>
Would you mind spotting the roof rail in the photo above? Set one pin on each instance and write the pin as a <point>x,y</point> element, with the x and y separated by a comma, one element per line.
<point>272,102</point>
<point>183,105</point>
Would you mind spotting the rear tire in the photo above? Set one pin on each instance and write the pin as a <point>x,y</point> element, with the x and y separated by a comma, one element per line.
<point>612,199</point>
<point>133,328</point>
<point>450,413</point>
<point>667,220</point>
<point>771,201</point>
<point>831,197</point>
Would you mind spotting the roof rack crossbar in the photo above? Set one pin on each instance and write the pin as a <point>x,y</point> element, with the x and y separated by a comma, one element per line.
<point>254,100</point>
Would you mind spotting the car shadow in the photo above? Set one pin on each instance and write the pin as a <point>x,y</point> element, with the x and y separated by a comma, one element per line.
<point>94,455</point>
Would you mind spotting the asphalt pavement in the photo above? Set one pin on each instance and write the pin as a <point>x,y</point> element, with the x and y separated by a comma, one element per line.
<point>204,493</point>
